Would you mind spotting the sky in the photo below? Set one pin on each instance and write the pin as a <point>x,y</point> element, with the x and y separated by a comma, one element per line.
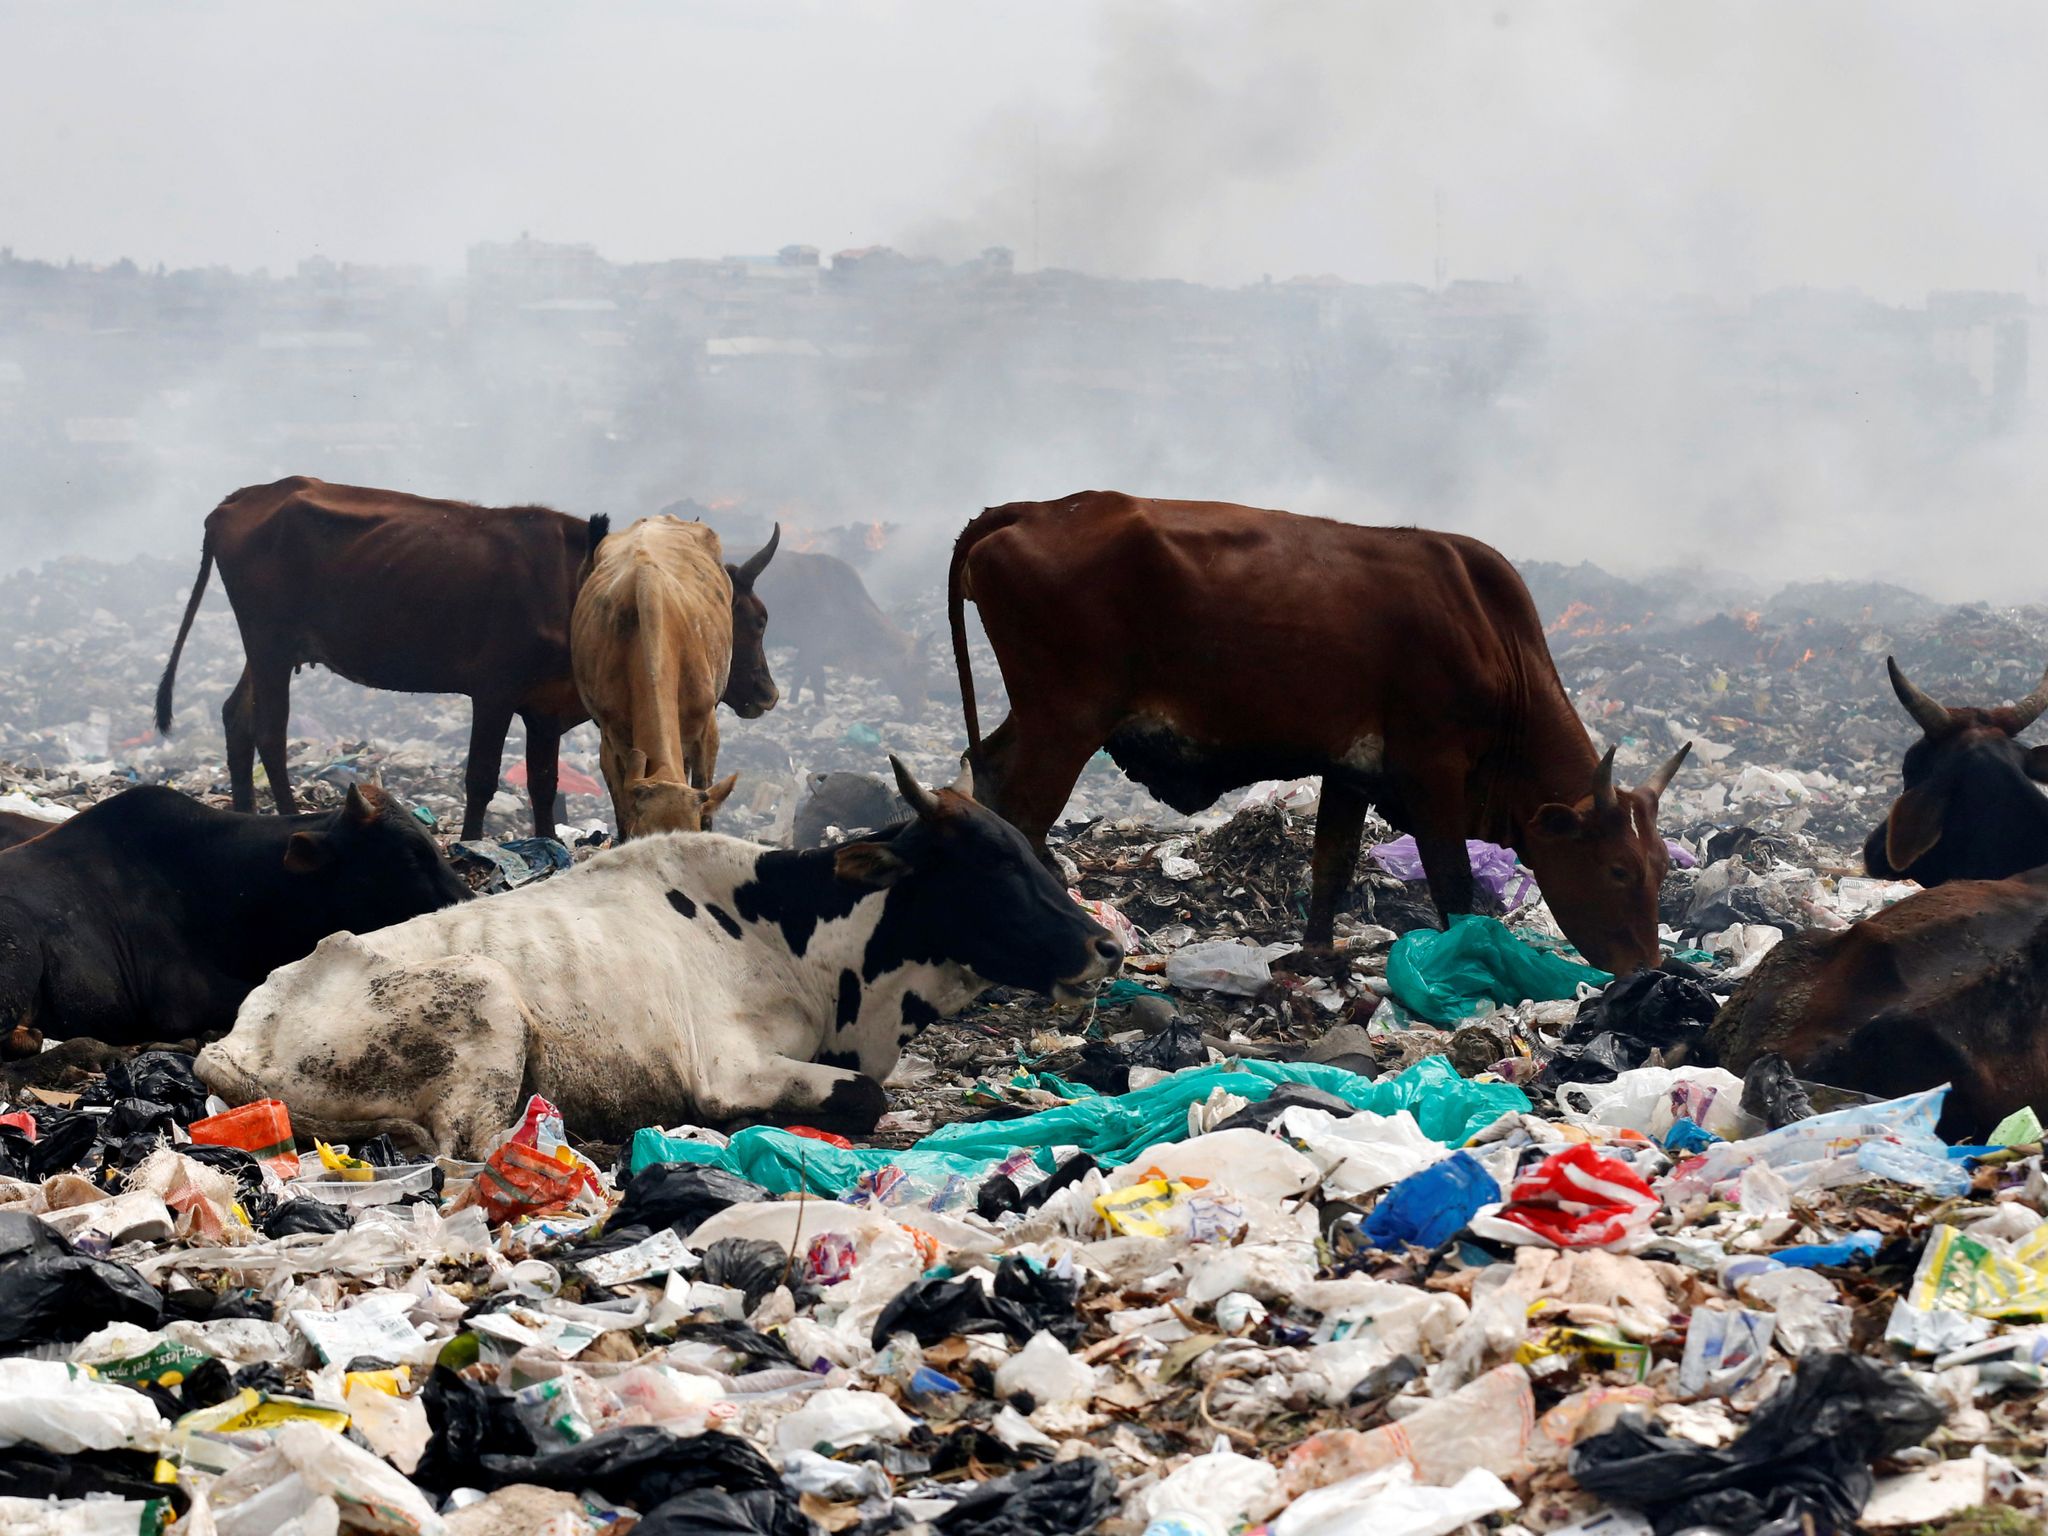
<point>1721,148</point>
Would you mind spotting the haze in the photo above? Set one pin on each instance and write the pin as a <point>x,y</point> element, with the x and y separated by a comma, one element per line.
<point>1652,175</point>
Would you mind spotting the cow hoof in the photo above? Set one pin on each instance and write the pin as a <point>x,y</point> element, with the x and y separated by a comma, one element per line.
<point>1314,960</point>
<point>852,1107</point>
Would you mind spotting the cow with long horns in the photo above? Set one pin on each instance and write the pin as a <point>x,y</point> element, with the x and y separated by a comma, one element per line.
<point>1207,646</point>
<point>1970,809</point>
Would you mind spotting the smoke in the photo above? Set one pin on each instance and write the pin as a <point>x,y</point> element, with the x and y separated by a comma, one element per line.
<point>1647,285</point>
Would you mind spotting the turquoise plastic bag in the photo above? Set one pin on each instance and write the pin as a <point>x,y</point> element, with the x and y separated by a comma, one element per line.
<point>1475,966</point>
<point>1448,1108</point>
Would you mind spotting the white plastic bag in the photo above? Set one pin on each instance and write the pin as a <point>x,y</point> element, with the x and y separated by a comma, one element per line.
<point>1391,1503</point>
<point>840,1417</point>
<point>1047,1372</point>
<point>1224,965</point>
<point>60,1408</point>
<point>1229,1489</point>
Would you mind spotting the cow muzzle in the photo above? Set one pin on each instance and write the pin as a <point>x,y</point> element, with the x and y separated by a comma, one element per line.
<point>1105,959</point>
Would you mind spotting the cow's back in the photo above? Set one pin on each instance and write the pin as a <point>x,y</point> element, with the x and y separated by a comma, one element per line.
<point>1241,623</point>
<point>400,591</point>
<point>818,603</point>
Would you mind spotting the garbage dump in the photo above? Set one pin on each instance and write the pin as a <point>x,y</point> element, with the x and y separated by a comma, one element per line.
<point>1452,1231</point>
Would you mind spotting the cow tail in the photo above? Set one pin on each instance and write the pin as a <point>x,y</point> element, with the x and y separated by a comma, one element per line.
<point>163,687</point>
<point>600,527</point>
<point>956,617</point>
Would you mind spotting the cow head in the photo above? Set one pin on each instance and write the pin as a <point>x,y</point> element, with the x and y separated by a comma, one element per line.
<point>665,805</point>
<point>967,889</point>
<point>1970,810</point>
<point>370,864</point>
<point>749,688</point>
<point>1601,862</point>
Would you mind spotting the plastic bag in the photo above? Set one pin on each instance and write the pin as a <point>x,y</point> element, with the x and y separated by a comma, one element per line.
<point>371,1496</point>
<point>59,1407</point>
<point>1893,1139</point>
<point>713,1512</point>
<point>1067,1498</point>
<point>1229,966</point>
<point>1804,1455</point>
<point>640,1464</point>
<point>1486,1423</point>
<point>933,1309</point>
<point>53,1294</point>
<point>1429,1208</point>
<point>1574,1199</point>
<point>1476,965</point>
<point>1493,867</point>
<point>1725,1349</point>
<point>680,1196</point>
<point>1449,1109</point>
<point>1223,1486</point>
<point>1391,1503</point>
<point>1046,1373</point>
<point>1654,1099</point>
<point>840,1417</point>
<point>1985,1276</point>
<point>1620,1028</point>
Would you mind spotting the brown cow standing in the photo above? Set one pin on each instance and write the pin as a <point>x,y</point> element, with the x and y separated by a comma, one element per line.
<point>656,638</point>
<point>395,591</point>
<point>1208,646</point>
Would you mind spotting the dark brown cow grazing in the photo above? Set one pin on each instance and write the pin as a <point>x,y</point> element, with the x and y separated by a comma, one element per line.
<point>1208,646</point>
<point>1949,986</point>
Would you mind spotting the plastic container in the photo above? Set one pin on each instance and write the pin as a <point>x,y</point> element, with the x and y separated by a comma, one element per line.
<point>263,1128</point>
<point>386,1186</point>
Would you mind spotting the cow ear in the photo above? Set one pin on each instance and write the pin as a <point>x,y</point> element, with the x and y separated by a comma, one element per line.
<point>714,797</point>
<point>1913,827</point>
<point>308,852</point>
<point>2037,764</point>
<point>869,864</point>
<point>1558,821</point>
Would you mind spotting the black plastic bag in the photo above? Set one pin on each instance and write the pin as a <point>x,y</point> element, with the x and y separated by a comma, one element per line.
<point>754,1348</point>
<point>1286,1096</point>
<point>62,1142</point>
<point>200,1304</point>
<point>1067,1498</point>
<point>1174,1047</point>
<point>307,1215</point>
<point>682,1196</point>
<point>642,1465</point>
<point>1048,1301</point>
<point>753,1266</point>
<point>467,1421</point>
<point>1617,1029</point>
<point>712,1512</point>
<point>1805,1454</point>
<point>51,1294</point>
<point>1000,1194</point>
<point>137,1117</point>
<point>930,1310</point>
<point>29,1472</point>
<point>1773,1094</point>
<point>163,1076</point>
<point>17,1152</point>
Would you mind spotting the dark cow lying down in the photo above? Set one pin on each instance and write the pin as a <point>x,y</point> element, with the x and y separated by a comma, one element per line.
<point>681,977</point>
<point>1949,986</point>
<point>150,916</point>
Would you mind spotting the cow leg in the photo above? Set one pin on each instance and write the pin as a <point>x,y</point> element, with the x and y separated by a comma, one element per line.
<point>236,720</point>
<point>270,698</point>
<point>1448,864</point>
<point>703,761</point>
<point>21,973</point>
<point>543,768</point>
<point>1038,770</point>
<point>804,1093</point>
<point>1436,805</point>
<point>613,767</point>
<point>488,723</point>
<point>1340,821</point>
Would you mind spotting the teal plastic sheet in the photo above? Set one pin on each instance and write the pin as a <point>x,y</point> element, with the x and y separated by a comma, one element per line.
<point>1475,966</point>
<point>1449,1108</point>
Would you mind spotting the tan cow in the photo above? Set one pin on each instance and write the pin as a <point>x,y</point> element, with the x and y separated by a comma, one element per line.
<point>651,644</point>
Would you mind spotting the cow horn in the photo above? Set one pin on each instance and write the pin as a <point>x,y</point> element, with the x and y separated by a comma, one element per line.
<point>915,795</point>
<point>1927,714</point>
<point>1603,783</point>
<point>2028,710</point>
<point>758,562</point>
<point>360,811</point>
<point>964,784</point>
<point>1659,781</point>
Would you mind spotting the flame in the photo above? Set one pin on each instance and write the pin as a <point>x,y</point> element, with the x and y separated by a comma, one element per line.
<point>1802,661</point>
<point>1568,624</point>
<point>1750,619</point>
<point>874,535</point>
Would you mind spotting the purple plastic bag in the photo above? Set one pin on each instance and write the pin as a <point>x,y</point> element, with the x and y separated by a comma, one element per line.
<point>1493,866</point>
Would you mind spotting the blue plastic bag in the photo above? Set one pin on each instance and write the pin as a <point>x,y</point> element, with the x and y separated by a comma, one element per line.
<point>1431,1207</point>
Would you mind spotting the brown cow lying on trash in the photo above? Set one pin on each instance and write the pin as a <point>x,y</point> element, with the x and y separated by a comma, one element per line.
<point>1208,646</point>
<point>1950,985</point>
<point>662,629</point>
<point>675,978</point>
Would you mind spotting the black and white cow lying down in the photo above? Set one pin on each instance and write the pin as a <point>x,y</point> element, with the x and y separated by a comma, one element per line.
<point>687,977</point>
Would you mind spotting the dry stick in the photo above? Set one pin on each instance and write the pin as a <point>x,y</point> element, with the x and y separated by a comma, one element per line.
<point>803,1190</point>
